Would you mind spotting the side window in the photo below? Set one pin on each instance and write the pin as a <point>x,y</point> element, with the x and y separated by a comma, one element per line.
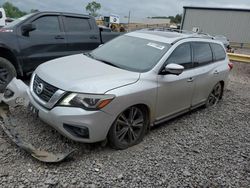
<point>202,53</point>
<point>1,14</point>
<point>218,51</point>
<point>73,24</point>
<point>182,56</point>
<point>47,24</point>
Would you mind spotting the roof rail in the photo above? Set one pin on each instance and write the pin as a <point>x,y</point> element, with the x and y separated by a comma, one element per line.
<point>189,34</point>
<point>194,36</point>
<point>201,34</point>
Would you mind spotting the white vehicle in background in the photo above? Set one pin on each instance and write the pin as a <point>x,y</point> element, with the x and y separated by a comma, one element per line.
<point>2,17</point>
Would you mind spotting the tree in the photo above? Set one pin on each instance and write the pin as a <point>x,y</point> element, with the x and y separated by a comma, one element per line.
<point>34,10</point>
<point>173,19</point>
<point>12,11</point>
<point>92,8</point>
<point>178,18</point>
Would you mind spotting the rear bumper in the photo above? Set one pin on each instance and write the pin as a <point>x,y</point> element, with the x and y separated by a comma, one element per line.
<point>98,123</point>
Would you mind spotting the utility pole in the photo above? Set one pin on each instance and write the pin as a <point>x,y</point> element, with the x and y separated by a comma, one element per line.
<point>128,19</point>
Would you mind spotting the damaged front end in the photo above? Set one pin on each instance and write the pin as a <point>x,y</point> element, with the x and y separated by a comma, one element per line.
<point>16,95</point>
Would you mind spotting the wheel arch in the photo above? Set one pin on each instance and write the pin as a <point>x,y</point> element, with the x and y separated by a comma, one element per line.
<point>9,55</point>
<point>147,110</point>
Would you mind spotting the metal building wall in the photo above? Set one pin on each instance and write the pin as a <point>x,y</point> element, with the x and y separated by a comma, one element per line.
<point>235,25</point>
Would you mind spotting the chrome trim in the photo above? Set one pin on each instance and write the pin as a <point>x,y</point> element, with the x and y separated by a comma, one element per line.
<point>53,100</point>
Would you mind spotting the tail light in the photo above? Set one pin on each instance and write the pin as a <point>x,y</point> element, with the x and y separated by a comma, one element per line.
<point>231,65</point>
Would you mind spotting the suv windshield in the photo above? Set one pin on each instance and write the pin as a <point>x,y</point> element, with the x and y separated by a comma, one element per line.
<point>17,21</point>
<point>131,53</point>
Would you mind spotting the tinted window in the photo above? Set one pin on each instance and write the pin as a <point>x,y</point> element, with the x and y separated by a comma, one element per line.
<point>1,14</point>
<point>76,24</point>
<point>48,24</point>
<point>218,51</point>
<point>181,56</point>
<point>202,53</point>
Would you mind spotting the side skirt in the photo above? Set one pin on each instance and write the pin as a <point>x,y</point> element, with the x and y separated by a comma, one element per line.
<point>178,113</point>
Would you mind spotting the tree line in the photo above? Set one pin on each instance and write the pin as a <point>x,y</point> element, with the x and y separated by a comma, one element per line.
<point>92,8</point>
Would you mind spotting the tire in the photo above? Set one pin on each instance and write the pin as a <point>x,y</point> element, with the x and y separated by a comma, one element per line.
<point>7,72</point>
<point>215,96</point>
<point>129,128</point>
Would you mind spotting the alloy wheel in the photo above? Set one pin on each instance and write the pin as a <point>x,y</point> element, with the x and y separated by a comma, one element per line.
<point>129,125</point>
<point>215,95</point>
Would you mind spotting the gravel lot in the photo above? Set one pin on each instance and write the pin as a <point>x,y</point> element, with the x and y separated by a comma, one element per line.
<point>204,148</point>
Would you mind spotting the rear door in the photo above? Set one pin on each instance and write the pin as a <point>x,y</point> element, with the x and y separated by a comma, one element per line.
<point>81,34</point>
<point>205,70</point>
<point>175,91</point>
<point>45,43</point>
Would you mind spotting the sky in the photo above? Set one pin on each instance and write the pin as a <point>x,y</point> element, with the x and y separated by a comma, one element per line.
<point>138,8</point>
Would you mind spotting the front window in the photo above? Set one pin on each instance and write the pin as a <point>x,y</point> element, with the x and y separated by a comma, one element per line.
<point>47,24</point>
<point>131,53</point>
<point>182,56</point>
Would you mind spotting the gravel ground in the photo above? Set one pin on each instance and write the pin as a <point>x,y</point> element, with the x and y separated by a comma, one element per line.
<point>204,148</point>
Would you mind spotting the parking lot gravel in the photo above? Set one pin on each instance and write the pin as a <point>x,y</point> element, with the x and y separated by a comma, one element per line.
<point>204,148</point>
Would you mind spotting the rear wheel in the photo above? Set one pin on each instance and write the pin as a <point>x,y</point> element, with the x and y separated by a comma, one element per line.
<point>7,72</point>
<point>129,128</point>
<point>215,95</point>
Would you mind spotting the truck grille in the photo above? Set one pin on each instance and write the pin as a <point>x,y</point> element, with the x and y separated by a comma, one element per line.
<point>42,89</point>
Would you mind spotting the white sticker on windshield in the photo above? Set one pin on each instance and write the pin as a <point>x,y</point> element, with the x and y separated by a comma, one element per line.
<point>154,45</point>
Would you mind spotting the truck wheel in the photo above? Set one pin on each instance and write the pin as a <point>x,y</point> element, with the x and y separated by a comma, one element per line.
<point>7,72</point>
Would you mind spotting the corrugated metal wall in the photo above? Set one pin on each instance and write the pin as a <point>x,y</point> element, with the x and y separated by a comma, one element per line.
<point>235,25</point>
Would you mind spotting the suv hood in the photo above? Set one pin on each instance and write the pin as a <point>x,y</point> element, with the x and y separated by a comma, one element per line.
<point>79,73</point>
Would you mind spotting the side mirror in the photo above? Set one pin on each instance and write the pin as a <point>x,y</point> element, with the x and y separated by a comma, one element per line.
<point>27,28</point>
<point>172,68</point>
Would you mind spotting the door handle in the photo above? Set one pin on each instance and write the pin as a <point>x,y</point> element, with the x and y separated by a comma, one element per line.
<point>59,37</point>
<point>216,72</point>
<point>190,79</point>
<point>93,37</point>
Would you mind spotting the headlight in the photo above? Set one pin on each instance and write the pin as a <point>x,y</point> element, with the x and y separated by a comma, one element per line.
<point>87,101</point>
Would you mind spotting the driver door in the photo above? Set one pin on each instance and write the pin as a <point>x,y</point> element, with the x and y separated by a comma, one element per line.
<point>46,42</point>
<point>175,91</point>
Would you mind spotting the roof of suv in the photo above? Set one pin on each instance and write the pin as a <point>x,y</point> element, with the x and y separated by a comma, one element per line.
<point>167,36</point>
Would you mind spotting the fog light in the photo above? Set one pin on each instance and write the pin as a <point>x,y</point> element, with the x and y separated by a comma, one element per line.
<point>8,93</point>
<point>82,131</point>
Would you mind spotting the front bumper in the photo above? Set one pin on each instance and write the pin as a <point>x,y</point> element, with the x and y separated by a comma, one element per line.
<point>97,122</point>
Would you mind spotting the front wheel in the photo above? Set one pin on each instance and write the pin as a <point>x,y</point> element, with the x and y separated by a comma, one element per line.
<point>215,95</point>
<point>7,72</point>
<point>129,128</point>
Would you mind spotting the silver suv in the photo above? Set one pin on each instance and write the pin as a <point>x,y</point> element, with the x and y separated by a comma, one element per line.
<point>130,83</point>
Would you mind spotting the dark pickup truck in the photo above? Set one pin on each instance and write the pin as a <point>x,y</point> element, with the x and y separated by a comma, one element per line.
<point>42,36</point>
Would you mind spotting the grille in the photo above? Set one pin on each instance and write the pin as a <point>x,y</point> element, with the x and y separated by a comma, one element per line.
<point>47,91</point>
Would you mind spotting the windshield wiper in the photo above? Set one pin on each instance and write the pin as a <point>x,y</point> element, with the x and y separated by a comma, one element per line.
<point>108,63</point>
<point>103,61</point>
<point>89,55</point>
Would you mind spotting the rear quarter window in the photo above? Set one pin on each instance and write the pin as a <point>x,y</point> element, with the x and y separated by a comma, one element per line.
<point>218,52</point>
